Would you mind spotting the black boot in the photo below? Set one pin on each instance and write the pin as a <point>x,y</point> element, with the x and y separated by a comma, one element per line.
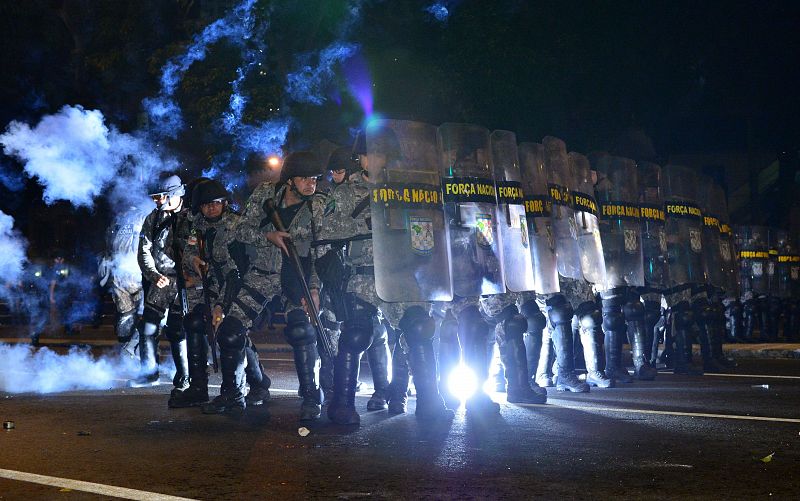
<point>534,337</point>
<point>591,337</point>
<point>357,334</point>
<point>418,327</point>
<point>303,339</point>
<point>342,409</point>
<point>615,331</point>
<point>473,332</point>
<point>682,320</point>
<point>750,319</point>
<point>231,396</point>
<point>561,313</point>
<point>733,321</point>
<point>635,320</point>
<point>449,357</point>
<point>197,392</point>
<point>398,388</point>
<point>547,357</point>
<point>667,356</point>
<point>180,356</point>
<point>256,378</point>
<point>512,351</point>
<point>378,357</point>
<point>652,314</point>
<point>709,335</point>
<point>148,356</point>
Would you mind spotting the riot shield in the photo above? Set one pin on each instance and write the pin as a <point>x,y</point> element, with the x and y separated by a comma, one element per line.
<point>587,225</point>
<point>538,207</point>
<point>684,226</point>
<point>511,220</point>
<point>789,258</point>
<point>470,205</point>
<point>565,233</point>
<point>718,208</point>
<point>617,193</point>
<point>654,237</point>
<point>753,245</point>
<point>712,249</point>
<point>410,238</point>
<point>777,271</point>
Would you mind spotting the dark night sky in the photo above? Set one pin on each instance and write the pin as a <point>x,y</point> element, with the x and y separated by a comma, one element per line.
<point>697,77</point>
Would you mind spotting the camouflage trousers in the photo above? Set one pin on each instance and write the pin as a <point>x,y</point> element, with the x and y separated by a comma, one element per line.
<point>256,290</point>
<point>127,297</point>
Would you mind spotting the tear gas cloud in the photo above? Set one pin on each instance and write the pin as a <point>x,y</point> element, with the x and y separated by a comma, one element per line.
<point>12,254</point>
<point>306,84</point>
<point>76,157</point>
<point>439,11</point>
<point>25,370</point>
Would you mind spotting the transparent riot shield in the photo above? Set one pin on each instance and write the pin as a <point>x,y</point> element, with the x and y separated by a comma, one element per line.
<point>538,207</point>
<point>587,225</point>
<point>753,244</point>
<point>718,208</point>
<point>410,238</point>
<point>778,272</point>
<point>790,259</point>
<point>511,220</point>
<point>565,233</point>
<point>684,226</point>
<point>617,191</point>
<point>654,236</point>
<point>470,205</point>
<point>712,250</point>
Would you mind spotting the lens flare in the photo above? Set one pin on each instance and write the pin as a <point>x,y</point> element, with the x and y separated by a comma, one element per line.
<point>462,382</point>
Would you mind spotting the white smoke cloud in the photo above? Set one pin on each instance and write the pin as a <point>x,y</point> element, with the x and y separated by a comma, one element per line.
<point>12,253</point>
<point>25,370</point>
<point>76,157</point>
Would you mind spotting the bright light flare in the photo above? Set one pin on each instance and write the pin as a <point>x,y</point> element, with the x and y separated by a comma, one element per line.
<point>274,162</point>
<point>463,382</point>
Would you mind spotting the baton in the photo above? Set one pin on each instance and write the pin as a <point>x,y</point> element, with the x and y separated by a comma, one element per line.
<point>327,344</point>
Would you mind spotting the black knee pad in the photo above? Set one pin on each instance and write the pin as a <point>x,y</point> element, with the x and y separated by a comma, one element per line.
<point>589,316</point>
<point>633,310</point>
<point>683,315</point>
<point>300,334</point>
<point>152,315</point>
<point>173,331</point>
<point>472,327</point>
<point>231,334</point>
<point>417,325</point>
<point>194,321</point>
<point>534,316</point>
<point>514,327</point>
<point>356,334</point>
<point>125,324</point>
<point>559,310</point>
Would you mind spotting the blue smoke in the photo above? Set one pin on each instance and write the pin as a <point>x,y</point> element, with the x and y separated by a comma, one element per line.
<point>439,11</point>
<point>306,84</point>
<point>11,180</point>
<point>163,112</point>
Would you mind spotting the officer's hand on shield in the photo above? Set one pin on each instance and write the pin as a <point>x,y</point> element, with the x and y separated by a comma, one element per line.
<point>216,317</point>
<point>162,282</point>
<point>314,297</point>
<point>277,238</point>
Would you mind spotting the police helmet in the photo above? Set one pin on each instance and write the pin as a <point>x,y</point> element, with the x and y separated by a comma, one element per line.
<point>206,192</point>
<point>170,186</point>
<point>300,164</point>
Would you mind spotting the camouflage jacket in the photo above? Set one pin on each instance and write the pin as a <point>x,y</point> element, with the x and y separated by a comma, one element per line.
<point>346,215</point>
<point>216,238</point>
<point>156,248</point>
<point>254,224</point>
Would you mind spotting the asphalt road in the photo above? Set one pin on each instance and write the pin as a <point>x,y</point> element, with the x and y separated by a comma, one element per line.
<point>677,437</point>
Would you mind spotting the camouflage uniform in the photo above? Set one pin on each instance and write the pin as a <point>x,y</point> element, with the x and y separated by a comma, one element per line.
<point>163,233</point>
<point>263,279</point>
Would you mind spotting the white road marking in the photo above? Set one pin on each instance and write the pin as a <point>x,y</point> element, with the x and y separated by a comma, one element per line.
<point>752,375</point>
<point>79,485</point>
<point>665,413</point>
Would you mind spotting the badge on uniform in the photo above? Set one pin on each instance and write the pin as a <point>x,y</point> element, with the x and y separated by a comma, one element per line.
<point>725,250</point>
<point>523,228</point>
<point>330,207</point>
<point>483,223</point>
<point>695,240</point>
<point>758,269</point>
<point>192,238</point>
<point>631,241</point>
<point>421,235</point>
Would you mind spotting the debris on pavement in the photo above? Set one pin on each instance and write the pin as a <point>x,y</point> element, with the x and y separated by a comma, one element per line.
<point>303,431</point>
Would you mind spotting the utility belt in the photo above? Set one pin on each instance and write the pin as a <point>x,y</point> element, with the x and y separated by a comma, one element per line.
<point>262,272</point>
